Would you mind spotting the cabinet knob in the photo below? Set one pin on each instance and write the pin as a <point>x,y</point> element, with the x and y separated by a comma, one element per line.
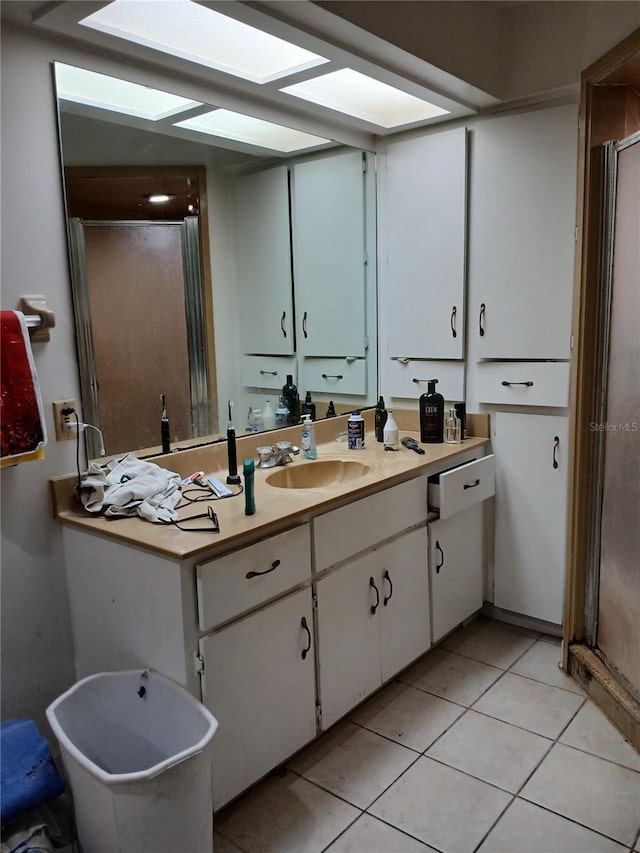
<point>374,607</point>
<point>272,568</point>
<point>387,577</point>
<point>305,627</point>
<point>441,564</point>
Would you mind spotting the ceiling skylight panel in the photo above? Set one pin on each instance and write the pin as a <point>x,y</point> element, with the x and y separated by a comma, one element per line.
<point>253,131</point>
<point>357,95</point>
<point>199,34</point>
<point>110,93</point>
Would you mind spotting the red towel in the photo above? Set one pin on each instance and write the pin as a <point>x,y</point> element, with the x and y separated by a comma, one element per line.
<point>22,427</point>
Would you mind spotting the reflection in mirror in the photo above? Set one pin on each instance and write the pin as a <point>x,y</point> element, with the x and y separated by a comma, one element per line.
<point>283,248</point>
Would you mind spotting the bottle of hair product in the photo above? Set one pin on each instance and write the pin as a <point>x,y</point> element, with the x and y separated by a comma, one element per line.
<point>390,434</point>
<point>331,410</point>
<point>308,438</point>
<point>380,419</point>
<point>431,415</point>
<point>309,407</point>
<point>291,399</point>
<point>355,431</point>
<point>452,428</point>
<point>268,416</point>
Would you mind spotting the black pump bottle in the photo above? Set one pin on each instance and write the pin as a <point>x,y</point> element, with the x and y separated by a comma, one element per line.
<point>380,419</point>
<point>431,415</point>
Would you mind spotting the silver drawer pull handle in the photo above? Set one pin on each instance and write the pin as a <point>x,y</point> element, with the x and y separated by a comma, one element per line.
<point>471,485</point>
<point>332,376</point>
<point>268,373</point>
<point>529,383</point>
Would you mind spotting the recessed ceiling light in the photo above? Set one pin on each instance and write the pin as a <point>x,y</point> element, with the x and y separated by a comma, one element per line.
<point>254,131</point>
<point>109,93</point>
<point>363,97</point>
<point>199,34</point>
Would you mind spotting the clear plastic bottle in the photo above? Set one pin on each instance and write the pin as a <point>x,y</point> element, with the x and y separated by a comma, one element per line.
<point>282,415</point>
<point>256,421</point>
<point>309,450</point>
<point>452,428</point>
<point>268,416</point>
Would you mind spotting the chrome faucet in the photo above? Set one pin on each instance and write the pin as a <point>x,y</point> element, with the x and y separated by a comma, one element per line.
<point>279,454</point>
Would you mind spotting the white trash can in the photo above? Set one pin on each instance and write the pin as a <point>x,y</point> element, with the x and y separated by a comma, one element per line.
<point>137,751</point>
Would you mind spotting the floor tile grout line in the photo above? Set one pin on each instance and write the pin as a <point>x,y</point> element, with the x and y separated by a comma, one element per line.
<point>495,823</point>
<point>571,820</point>
<point>340,834</point>
<point>386,737</point>
<point>601,757</point>
<point>546,683</point>
<point>636,841</point>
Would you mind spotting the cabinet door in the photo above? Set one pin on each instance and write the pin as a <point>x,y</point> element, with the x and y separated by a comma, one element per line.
<point>455,567</point>
<point>532,456</point>
<point>328,227</point>
<point>423,215</point>
<point>264,262</point>
<point>404,592</point>
<point>348,637</point>
<point>261,690</point>
<point>521,238</point>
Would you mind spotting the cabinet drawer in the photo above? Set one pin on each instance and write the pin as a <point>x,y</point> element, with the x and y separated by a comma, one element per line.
<point>463,487</point>
<point>408,377</point>
<point>224,590</point>
<point>334,376</point>
<point>267,371</point>
<point>353,528</point>
<point>522,383</point>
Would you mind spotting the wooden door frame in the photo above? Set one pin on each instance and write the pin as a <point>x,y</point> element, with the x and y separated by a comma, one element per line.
<point>600,681</point>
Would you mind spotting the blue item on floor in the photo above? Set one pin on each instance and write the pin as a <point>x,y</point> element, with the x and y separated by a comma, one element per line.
<point>28,776</point>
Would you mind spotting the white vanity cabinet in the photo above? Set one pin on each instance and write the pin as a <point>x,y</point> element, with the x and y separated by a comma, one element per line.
<point>532,456</point>
<point>521,237</point>
<point>456,552</point>
<point>249,664</point>
<point>258,680</point>
<point>372,594</point>
<point>373,620</point>
<point>264,263</point>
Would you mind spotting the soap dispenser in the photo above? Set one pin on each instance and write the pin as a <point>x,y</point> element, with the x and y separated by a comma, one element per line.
<point>308,438</point>
<point>431,415</point>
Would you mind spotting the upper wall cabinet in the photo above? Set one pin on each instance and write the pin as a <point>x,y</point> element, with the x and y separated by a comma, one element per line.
<point>521,241</point>
<point>423,216</point>
<point>264,262</point>
<point>329,258</point>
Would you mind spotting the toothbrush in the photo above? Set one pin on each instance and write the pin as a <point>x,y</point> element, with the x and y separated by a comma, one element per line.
<point>233,477</point>
<point>164,427</point>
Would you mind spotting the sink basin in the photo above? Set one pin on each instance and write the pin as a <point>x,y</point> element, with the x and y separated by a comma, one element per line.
<point>313,475</point>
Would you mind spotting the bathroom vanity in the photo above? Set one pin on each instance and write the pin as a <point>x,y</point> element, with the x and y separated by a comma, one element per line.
<point>285,620</point>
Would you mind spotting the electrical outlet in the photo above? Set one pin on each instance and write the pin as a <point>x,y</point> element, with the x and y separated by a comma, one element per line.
<point>63,419</point>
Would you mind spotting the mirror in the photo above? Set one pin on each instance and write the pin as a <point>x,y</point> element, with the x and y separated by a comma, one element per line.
<point>244,276</point>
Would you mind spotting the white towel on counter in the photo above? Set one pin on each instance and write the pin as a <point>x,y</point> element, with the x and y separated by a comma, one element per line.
<point>131,487</point>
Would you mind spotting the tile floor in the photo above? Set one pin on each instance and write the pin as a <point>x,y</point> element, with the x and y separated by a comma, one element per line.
<point>482,745</point>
